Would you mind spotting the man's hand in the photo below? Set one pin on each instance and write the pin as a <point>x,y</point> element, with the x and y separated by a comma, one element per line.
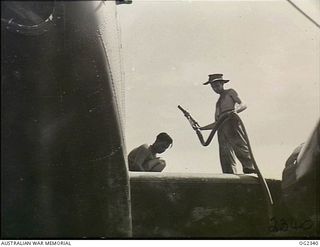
<point>240,107</point>
<point>195,127</point>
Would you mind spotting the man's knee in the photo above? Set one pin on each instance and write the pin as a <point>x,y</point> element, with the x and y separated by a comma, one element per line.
<point>159,166</point>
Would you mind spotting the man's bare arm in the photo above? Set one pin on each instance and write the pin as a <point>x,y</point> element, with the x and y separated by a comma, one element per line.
<point>208,127</point>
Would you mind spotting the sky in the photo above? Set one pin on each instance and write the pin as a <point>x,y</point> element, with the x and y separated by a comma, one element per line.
<point>267,49</point>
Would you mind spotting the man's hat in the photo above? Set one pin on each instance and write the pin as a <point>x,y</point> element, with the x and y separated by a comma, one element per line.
<point>215,78</point>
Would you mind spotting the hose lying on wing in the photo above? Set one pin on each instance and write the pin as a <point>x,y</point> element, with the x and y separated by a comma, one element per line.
<point>261,179</point>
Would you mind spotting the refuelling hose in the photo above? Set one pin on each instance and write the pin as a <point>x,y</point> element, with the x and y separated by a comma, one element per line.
<point>216,127</point>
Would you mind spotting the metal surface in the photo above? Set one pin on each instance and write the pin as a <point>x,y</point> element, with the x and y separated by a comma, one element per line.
<point>301,187</point>
<point>63,168</point>
<point>199,206</point>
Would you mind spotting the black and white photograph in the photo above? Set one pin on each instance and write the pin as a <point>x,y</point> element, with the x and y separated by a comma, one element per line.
<point>160,120</point>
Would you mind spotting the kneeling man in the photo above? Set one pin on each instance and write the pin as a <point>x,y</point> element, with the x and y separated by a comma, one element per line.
<point>144,157</point>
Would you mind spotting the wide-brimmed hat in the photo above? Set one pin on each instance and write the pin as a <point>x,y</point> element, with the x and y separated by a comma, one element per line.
<point>215,78</point>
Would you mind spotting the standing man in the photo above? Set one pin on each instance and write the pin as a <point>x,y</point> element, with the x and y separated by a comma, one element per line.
<point>230,134</point>
<point>144,157</point>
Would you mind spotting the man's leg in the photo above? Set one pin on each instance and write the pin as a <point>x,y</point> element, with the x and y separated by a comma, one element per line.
<point>240,146</point>
<point>156,165</point>
<point>227,159</point>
